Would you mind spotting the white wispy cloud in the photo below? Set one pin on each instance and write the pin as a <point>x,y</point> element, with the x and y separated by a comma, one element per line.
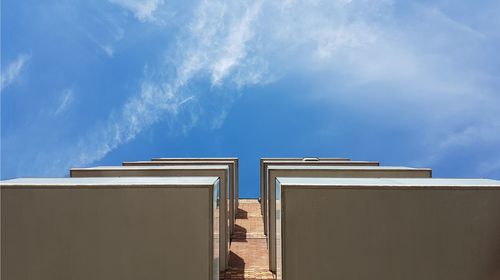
<point>151,105</point>
<point>218,41</point>
<point>65,100</point>
<point>108,50</point>
<point>105,31</point>
<point>428,64</point>
<point>142,9</point>
<point>234,45</point>
<point>12,72</point>
<point>439,15</point>
<point>215,44</point>
<point>425,64</point>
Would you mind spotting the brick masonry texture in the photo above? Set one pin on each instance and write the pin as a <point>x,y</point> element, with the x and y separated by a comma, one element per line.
<point>249,257</point>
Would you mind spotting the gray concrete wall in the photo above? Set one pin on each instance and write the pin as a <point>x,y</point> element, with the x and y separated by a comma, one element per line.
<point>267,160</point>
<point>236,169</point>
<point>325,172</point>
<point>220,171</point>
<point>107,231</point>
<point>321,162</point>
<point>233,181</point>
<point>442,231</point>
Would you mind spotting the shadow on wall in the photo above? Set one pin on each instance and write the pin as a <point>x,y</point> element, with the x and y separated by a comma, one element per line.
<point>236,262</point>
<point>241,214</point>
<point>239,234</point>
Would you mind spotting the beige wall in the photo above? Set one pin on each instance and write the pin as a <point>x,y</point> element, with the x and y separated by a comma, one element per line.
<point>269,160</point>
<point>322,162</point>
<point>391,234</point>
<point>355,172</point>
<point>221,172</point>
<point>236,169</point>
<point>105,233</point>
<point>232,169</point>
<point>330,162</point>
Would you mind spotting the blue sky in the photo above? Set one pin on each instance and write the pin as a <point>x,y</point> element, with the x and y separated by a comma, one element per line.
<point>99,82</point>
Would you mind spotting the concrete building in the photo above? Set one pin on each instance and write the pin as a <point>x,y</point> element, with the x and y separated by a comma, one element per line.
<point>323,171</point>
<point>301,162</point>
<point>264,161</point>
<point>180,218</point>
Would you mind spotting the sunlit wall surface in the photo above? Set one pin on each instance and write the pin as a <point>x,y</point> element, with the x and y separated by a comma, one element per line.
<point>215,230</point>
<point>369,228</point>
<point>278,231</point>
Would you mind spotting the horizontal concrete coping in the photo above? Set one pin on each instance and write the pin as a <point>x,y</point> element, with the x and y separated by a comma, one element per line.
<point>341,167</point>
<point>110,182</point>
<point>187,162</point>
<point>308,159</point>
<point>389,182</point>
<point>161,167</point>
<point>195,159</point>
<point>322,162</point>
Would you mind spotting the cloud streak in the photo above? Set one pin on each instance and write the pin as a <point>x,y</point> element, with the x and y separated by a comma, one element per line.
<point>423,67</point>
<point>143,10</point>
<point>66,98</point>
<point>214,45</point>
<point>13,71</point>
